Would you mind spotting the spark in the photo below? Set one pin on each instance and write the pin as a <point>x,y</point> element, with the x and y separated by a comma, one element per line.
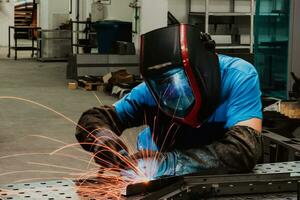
<point>98,99</point>
<point>111,181</point>
<point>127,161</point>
<point>58,154</point>
<point>58,141</point>
<point>101,104</point>
<point>43,179</point>
<point>33,171</point>
<point>56,166</point>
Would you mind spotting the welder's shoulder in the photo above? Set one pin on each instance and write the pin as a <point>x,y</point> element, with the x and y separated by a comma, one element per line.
<point>237,75</point>
<point>233,65</point>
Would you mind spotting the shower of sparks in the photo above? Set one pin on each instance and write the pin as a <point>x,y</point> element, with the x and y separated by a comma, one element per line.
<point>111,182</point>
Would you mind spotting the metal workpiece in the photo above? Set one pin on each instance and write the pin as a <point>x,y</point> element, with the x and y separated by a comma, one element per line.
<point>151,186</point>
<point>242,186</point>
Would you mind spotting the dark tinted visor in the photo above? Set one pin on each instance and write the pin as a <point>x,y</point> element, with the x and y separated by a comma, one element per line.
<point>174,92</point>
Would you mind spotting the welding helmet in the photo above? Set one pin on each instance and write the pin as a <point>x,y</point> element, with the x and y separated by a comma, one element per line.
<point>181,69</point>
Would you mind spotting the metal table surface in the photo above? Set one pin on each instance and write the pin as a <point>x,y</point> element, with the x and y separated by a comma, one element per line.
<point>89,190</point>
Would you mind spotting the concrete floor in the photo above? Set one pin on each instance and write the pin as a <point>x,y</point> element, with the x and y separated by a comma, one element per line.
<point>44,83</point>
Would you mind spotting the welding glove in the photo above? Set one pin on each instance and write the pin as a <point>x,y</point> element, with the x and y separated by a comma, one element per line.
<point>98,131</point>
<point>109,150</point>
<point>166,165</point>
<point>152,164</point>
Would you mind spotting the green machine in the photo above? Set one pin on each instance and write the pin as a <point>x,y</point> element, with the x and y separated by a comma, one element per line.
<point>277,45</point>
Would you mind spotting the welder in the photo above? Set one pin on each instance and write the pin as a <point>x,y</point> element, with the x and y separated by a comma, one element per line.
<point>203,109</point>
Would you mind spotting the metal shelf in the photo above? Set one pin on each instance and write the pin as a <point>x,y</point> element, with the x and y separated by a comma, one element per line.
<point>16,47</point>
<point>204,17</point>
<point>273,15</point>
<point>221,14</point>
<point>233,47</point>
<point>24,48</point>
<point>83,32</point>
<point>82,45</point>
<point>79,32</point>
<point>197,13</point>
<point>54,38</point>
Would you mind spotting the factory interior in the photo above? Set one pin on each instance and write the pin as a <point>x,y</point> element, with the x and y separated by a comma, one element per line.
<point>59,58</point>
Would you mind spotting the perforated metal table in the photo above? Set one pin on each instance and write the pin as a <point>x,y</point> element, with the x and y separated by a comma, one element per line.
<point>274,177</point>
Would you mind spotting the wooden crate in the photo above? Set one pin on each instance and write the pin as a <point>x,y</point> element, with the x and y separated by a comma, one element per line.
<point>90,86</point>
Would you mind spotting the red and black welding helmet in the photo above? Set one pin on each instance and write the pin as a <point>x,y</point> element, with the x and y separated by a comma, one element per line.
<point>181,69</point>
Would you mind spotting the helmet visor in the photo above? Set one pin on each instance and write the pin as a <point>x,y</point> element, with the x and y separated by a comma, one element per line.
<point>174,92</point>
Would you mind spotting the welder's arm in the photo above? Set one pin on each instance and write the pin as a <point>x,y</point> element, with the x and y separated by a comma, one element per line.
<point>97,131</point>
<point>238,151</point>
<point>100,126</point>
<point>127,112</point>
<point>93,121</point>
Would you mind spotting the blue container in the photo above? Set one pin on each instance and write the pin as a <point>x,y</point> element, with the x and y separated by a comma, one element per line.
<point>110,31</point>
